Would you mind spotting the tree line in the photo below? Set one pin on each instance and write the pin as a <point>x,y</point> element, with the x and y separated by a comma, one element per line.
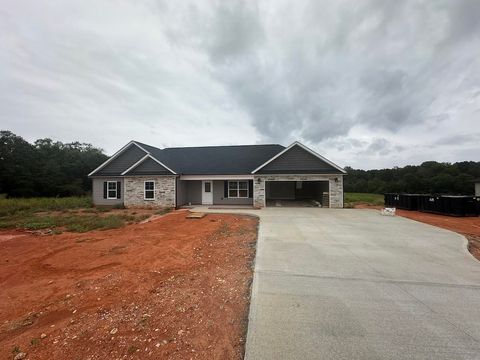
<point>53,168</point>
<point>46,167</point>
<point>430,177</point>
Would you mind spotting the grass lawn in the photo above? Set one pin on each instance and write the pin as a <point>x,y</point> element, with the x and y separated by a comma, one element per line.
<point>11,207</point>
<point>75,214</point>
<point>352,199</point>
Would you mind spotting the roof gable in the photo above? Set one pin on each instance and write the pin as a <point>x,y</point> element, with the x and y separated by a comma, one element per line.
<point>148,165</point>
<point>120,161</point>
<point>298,159</point>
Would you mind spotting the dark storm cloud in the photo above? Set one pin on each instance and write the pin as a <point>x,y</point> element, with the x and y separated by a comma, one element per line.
<point>366,82</point>
<point>380,65</point>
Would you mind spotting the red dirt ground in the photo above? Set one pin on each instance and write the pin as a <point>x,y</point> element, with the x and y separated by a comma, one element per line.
<point>467,226</point>
<point>173,288</point>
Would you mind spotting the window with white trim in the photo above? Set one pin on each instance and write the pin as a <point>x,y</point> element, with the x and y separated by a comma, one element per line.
<point>111,189</point>
<point>238,189</point>
<point>149,190</point>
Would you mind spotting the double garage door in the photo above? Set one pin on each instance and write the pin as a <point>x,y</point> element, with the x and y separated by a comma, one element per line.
<point>297,193</point>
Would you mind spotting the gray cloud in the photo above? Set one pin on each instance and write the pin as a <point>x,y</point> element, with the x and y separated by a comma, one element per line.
<point>459,139</point>
<point>367,85</point>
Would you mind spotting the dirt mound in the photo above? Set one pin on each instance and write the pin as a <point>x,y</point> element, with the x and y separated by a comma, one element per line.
<point>171,288</point>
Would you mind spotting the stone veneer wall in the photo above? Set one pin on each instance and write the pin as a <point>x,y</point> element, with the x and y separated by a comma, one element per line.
<point>164,191</point>
<point>336,187</point>
<point>336,191</point>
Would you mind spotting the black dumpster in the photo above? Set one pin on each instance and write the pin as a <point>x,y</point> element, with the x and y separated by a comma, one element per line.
<point>408,201</point>
<point>477,204</point>
<point>392,199</point>
<point>402,201</point>
<point>430,203</point>
<point>388,199</point>
<point>458,205</point>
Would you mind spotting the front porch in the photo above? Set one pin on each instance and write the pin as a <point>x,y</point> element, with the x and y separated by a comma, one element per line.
<point>215,191</point>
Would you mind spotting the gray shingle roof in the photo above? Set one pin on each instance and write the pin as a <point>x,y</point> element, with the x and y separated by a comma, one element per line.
<point>214,160</point>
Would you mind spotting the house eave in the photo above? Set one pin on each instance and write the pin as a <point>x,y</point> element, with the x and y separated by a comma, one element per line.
<point>296,143</point>
<point>217,177</point>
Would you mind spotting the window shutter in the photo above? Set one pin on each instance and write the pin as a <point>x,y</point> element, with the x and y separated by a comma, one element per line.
<point>104,189</point>
<point>250,188</point>
<point>225,189</point>
<point>119,190</point>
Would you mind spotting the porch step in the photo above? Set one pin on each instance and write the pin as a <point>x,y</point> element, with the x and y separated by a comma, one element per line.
<point>195,215</point>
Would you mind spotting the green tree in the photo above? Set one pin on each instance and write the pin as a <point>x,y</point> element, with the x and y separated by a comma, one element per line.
<point>429,177</point>
<point>46,168</point>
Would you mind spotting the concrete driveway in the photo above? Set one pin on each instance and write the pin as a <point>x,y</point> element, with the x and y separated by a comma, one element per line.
<point>352,284</point>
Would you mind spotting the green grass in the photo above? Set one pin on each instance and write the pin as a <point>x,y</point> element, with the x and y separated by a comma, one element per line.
<point>362,198</point>
<point>35,214</point>
<point>10,207</point>
<point>79,223</point>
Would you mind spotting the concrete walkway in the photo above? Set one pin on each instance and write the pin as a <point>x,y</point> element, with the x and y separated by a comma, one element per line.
<point>352,284</point>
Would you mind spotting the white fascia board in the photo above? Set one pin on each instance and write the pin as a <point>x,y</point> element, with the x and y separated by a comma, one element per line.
<point>216,177</point>
<point>318,177</point>
<point>142,160</point>
<point>305,148</point>
<point>116,155</point>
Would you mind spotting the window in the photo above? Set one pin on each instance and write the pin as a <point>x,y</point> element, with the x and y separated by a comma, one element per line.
<point>149,190</point>
<point>238,189</point>
<point>299,185</point>
<point>111,189</point>
<point>208,186</point>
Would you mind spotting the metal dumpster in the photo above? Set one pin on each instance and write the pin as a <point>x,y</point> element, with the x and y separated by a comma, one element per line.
<point>408,201</point>
<point>458,205</point>
<point>477,204</point>
<point>430,203</point>
<point>391,199</point>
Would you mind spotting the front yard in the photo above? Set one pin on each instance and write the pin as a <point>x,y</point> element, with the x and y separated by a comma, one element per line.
<point>74,214</point>
<point>171,288</point>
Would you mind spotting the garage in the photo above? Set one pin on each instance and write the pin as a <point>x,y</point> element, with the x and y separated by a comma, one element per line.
<point>298,176</point>
<point>297,193</point>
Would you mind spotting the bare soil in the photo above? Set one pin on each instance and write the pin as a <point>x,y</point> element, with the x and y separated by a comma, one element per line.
<point>467,226</point>
<point>172,288</point>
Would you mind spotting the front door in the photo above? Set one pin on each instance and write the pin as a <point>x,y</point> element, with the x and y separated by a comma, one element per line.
<point>207,192</point>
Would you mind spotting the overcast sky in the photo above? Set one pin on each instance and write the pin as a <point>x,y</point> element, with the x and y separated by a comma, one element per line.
<point>368,84</point>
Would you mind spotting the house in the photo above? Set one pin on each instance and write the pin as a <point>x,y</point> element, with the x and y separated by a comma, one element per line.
<point>140,175</point>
